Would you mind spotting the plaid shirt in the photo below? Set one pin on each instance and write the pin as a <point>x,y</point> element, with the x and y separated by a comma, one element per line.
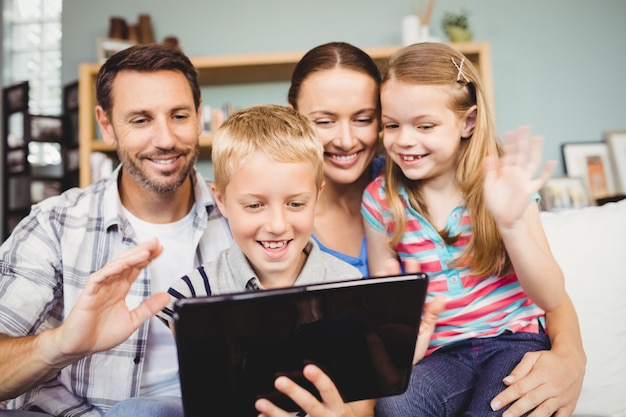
<point>44,266</point>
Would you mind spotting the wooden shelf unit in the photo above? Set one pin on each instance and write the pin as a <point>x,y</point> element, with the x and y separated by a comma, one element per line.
<point>239,69</point>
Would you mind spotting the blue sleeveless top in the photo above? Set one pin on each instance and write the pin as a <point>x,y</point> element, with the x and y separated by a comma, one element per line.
<point>361,262</point>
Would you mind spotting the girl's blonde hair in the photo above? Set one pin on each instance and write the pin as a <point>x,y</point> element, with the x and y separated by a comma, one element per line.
<point>278,131</point>
<point>441,65</point>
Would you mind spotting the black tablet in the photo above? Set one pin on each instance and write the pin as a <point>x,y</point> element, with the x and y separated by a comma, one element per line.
<point>362,333</point>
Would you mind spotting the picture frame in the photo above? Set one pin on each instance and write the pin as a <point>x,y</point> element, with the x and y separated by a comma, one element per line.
<point>43,128</point>
<point>108,46</point>
<point>592,162</point>
<point>16,97</point>
<point>15,127</point>
<point>616,141</point>
<point>16,162</point>
<point>15,108</point>
<point>70,97</point>
<point>70,113</point>
<point>563,193</point>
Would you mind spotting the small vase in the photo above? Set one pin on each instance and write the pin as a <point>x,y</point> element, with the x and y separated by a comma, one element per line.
<point>458,34</point>
<point>410,29</point>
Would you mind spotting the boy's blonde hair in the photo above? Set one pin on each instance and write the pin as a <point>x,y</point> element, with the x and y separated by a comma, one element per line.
<point>280,132</point>
<point>438,64</point>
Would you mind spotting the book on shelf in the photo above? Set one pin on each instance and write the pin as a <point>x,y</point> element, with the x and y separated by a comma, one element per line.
<point>213,117</point>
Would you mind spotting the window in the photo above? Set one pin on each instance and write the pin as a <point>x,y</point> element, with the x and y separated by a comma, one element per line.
<point>32,51</point>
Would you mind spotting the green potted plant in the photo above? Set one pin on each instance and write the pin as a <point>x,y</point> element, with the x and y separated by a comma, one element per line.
<point>456,26</point>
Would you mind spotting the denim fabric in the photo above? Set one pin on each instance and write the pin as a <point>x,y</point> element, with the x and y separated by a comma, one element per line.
<point>463,378</point>
<point>148,407</point>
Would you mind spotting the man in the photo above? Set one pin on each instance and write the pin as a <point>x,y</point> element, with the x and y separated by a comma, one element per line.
<point>80,278</point>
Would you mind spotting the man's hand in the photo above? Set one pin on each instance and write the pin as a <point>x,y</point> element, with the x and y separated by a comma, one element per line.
<point>100,319</point>
<point>547,381</point>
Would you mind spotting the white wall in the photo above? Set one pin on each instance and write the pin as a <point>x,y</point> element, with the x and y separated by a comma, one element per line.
<point>558,65</point>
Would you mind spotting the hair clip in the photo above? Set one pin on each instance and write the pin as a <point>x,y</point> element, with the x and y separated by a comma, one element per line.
<point>460,68</point>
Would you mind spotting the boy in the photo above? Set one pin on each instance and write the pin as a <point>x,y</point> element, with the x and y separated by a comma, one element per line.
<point>268,165</point>
<point>268,176</point>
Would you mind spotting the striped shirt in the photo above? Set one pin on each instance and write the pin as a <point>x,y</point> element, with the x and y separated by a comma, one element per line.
<point>231,272</point>
<point>44,265</point>
<point>477,306</point>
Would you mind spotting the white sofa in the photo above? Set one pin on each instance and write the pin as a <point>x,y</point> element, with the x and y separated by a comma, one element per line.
<point>590,245</point>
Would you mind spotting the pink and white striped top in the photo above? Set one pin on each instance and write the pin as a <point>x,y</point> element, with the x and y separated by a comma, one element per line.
<point>477,306</point>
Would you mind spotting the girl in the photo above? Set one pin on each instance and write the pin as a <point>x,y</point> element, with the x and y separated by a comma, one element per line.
<point>452,198</point>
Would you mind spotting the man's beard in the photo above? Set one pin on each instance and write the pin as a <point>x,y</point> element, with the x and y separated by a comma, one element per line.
<point>143,177</point>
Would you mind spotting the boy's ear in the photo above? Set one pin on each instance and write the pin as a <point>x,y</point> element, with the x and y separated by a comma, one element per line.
<point>219,200</point>
<point>106,127</point>
<point>469,122</point>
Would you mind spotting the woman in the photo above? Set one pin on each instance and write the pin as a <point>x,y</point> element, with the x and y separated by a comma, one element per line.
<point>336,85</point>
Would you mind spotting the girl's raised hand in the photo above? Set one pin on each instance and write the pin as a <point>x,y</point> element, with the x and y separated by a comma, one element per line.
<point>510,181</point>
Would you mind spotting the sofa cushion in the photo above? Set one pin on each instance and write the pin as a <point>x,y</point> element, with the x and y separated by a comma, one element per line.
<point>590,246</point>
